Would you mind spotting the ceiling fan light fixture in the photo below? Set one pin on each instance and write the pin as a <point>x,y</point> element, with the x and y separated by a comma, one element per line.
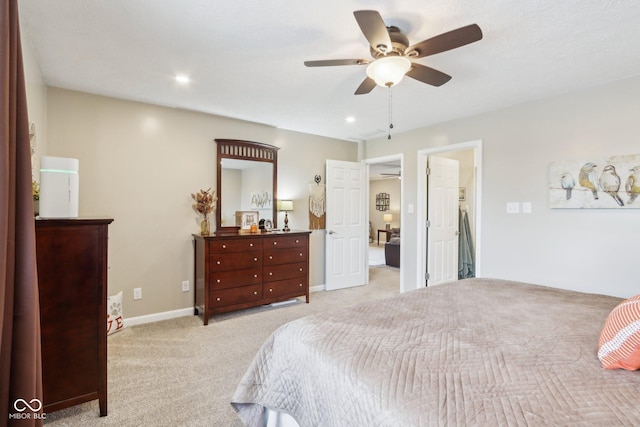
<point>388,70</point>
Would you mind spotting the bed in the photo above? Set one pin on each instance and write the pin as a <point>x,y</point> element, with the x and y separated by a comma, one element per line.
<point>473,352</point>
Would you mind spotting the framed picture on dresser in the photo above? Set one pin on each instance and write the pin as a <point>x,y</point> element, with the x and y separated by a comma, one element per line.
<point>244,219</point>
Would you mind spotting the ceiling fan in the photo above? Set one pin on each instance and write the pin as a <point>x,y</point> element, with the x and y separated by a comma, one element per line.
<point>391,175</point>
<point>393,55</point>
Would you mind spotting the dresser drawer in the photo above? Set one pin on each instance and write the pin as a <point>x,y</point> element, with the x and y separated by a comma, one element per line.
<point>234,245</point>
<point>284,271</point>
<point>234,296</point>
<point>223,262</point>
<point>235,278</point>
<point>293,287</point>
<point>285,256</point>
<point>286,241</point>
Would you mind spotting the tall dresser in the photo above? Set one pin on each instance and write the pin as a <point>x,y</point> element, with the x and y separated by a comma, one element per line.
<point>235,271</point>
<point>72,283</point>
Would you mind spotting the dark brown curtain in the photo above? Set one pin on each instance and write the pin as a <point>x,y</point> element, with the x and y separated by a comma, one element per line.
<point>20,360</point>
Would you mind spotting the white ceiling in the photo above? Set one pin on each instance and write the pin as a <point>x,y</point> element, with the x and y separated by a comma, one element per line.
<point>245,57</point>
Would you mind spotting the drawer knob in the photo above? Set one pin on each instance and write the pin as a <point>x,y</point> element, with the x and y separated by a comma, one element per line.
<point>224,246</point>
<point>218,262</point>
<point>218,281</point>
<point>275,243</point>
<point>300,253</point>
<point>297,241</point>
<point>270,256</point>
<point>255,292</point>
<point>270,290</point>
<point>218,299</point>
<point>300,268</point>
<point>255,259</point>
<point>251,244</point>
<point>300,284</point>
<point>270,274</point>
<point>255,275</point>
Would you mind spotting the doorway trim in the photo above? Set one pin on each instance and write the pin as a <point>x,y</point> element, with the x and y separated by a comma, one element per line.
<point>373,160</point>
<point>422,158</point>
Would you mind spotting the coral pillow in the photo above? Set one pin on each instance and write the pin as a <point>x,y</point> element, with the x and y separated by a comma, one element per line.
<point>619,344</point>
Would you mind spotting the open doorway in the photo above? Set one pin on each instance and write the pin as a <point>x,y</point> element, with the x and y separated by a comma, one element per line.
<point>385,214</point>
<point>469,157</point>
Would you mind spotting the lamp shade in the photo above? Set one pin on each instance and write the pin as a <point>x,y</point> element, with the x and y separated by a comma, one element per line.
<point>387,217</point>
<point>388,70</point>
<point>285,205</point>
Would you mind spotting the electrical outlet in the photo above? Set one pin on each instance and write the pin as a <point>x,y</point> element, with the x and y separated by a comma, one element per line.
<point>137,293</point>
<point>513,207</point>
<point>185,286</point>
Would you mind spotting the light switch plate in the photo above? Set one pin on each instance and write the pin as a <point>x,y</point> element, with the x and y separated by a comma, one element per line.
<point>513,207</point>
<point>526,207</point>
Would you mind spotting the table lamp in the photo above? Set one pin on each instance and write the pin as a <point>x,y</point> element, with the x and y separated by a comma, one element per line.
<point>387,218</point>
<point>285,206</point>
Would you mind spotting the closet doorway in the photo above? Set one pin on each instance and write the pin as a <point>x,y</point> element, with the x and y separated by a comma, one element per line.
<point>466,218</point>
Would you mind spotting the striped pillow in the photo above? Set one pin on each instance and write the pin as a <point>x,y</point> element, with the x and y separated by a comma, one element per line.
<point>619,344</point>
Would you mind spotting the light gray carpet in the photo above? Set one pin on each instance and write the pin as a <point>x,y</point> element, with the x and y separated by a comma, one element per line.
<point>181,373</point>
<point>376,255</point>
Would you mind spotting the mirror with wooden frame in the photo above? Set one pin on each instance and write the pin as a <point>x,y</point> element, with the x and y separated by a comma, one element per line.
<point>246,182</point>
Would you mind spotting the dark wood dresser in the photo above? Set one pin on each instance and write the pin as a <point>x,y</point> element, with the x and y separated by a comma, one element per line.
<point>235,271</point>
<point>72,283</point>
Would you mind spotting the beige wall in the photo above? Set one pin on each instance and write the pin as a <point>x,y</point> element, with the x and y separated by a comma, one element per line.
<point>392,187</point>
<point>589,250</point>
<point>139,163</point>
<point>36,102</point>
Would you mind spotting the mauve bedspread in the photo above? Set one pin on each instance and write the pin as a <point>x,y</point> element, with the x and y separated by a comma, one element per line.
<point>475,352</point>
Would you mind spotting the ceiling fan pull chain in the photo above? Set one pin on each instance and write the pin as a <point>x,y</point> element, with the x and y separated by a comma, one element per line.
<point>390,114</point>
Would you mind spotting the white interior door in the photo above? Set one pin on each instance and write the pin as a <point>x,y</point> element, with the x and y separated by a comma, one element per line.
<point>442,214</point>
<point>346,238</point>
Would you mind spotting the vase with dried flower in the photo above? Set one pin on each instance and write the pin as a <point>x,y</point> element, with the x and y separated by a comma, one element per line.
<point>35,187</point>
<point>204,205</point>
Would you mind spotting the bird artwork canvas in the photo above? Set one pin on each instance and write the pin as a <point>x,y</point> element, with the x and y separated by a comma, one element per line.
<point>612,182</point>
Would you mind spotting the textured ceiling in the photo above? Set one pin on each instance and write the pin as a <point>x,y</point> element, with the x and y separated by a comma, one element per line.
<point>245,57</point>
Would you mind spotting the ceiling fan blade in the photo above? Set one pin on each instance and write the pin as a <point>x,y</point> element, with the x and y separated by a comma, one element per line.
<point>365,87</point>
<point>446,41</point>
<point>428,75</point>
<point>334,62</point>
<point>374,29</point>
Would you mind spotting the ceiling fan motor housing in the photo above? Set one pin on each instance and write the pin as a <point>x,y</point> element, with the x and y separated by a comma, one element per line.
<point>399,43</point>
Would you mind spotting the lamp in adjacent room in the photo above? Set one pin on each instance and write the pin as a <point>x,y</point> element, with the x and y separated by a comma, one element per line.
<point>285,206</point>
<point>387,218</point>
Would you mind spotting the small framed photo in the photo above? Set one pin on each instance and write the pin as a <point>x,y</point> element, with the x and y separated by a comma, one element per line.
<point>244,219</point>
<point>462,194</point>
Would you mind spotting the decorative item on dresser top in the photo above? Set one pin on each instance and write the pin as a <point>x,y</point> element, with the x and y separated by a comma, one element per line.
<point>203,205</point>
<point>234,270</point>
<point>72,285</point>
<point>285,206</point>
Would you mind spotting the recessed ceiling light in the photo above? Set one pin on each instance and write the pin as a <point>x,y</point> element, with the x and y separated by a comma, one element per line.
<point>350,119</point>
<point>182,79</point>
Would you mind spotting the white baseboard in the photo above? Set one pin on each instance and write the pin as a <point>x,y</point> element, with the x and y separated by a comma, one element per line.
<point>166,315</point>
<point>317,288</point>
<point>156,317</point>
